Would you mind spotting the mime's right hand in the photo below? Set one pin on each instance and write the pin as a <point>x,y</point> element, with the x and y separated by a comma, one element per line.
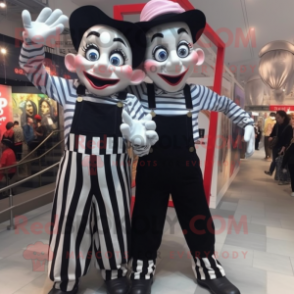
<point>47,24</point>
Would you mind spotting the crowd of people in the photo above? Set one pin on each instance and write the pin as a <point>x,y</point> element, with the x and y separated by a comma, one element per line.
<point>279,148</point>
<point>18,140</point>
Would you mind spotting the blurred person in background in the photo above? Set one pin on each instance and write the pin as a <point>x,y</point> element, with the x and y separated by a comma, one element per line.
<point>18,140</point>
<point>282,131</point>
<point>40,132</point>
<point>288,159</point>
<point>28,133</point>
<point>257,130</point>
<point>268,128</point>
<point>9,134</point>
<point>7,159</point>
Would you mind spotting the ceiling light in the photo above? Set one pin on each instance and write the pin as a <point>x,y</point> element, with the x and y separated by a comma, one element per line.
<point>2,4</point>
<point>3,51</point>
<point>284,90</point>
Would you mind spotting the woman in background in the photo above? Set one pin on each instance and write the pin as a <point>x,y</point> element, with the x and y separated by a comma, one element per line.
<point>257,129</point>
<point>283,132</point>
<point>288,160</point>
<point>268,128</point>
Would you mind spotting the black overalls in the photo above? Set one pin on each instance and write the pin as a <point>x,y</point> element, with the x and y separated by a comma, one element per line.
<point>92,198</point>
<point>172,167</point>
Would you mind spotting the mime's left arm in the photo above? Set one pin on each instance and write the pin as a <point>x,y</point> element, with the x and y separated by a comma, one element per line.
<point>205,99</point>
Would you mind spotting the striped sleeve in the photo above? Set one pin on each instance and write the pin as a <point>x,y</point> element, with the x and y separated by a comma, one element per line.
<point>134,108</point>
<point>205,99</point>
<point>31,61</point>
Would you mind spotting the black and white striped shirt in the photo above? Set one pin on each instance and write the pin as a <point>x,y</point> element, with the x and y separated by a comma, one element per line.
<point>202,99</point>
<point>64,91</point>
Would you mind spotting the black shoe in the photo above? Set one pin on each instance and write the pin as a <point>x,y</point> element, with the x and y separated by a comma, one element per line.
<point>219,286</point>
<point>141,286</point>
<point>58,291</point>
<point>118,286</point>
<point>268,173</point>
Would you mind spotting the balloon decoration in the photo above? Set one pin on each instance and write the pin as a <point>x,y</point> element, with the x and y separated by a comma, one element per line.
<point>276,67</point>
<point>255,90</point>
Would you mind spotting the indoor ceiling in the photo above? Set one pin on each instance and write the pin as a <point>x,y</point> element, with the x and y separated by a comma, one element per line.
<point>15,7</point>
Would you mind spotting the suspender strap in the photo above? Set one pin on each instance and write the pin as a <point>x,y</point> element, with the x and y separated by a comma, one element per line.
<point>151,96</point>
<point>122,95</point>
<point>81,90</point>
<point>188,98</point>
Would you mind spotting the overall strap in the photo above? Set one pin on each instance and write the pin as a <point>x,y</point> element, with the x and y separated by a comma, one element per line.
<point>81,90</point>
<point>188,98</point>
<point>122,95</point>
<point>151,96</point>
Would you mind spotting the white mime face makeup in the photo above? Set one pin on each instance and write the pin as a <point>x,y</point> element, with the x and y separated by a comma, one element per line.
<point>170,58</point>
<point>104,61</point>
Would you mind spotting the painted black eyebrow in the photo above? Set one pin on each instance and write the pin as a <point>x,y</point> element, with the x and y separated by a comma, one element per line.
<point>119,40</point>
<point>93,33</point>
<point>158,35</point>
<point>182,30</point>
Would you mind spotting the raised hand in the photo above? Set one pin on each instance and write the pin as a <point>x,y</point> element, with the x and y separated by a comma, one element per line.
<point>47,24</point>
<point>249,137</point>
<point>133,130</point>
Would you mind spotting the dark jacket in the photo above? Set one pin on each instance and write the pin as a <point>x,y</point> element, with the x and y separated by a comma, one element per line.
<point>289,156</point>
<point>284,133</point>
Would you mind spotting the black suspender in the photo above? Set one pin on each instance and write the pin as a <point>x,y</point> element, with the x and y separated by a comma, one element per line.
<point>122,95</point>
<point>151,96</point>
<point>152,102</point>
<point>188,98</point>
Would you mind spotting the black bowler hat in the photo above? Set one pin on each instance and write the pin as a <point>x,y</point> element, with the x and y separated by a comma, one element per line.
<point>86,17</point>
<point>159,12</point>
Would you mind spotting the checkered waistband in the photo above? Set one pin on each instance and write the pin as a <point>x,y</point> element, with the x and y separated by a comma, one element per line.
<point>102,145</point>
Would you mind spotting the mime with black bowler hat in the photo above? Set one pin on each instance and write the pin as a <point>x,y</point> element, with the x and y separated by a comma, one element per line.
<point>91,208</point>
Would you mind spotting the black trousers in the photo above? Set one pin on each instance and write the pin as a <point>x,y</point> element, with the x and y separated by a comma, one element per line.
<point>275,155</point>
<point>257,140</point>
<point>18,152</point>
<point>268,151</point>
<point>155,182</point>
<point>291,171</point>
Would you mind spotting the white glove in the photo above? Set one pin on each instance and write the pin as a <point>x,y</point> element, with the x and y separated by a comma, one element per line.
<point>47,24</point>
<point>140,133</point>
<point>285,170</point>
<point>249,137</point>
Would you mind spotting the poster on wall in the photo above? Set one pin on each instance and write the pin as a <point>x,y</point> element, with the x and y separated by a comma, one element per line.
<point>28,105</point>
<point>223,144</point>
<point>237,132</point>
<point>5,108</point>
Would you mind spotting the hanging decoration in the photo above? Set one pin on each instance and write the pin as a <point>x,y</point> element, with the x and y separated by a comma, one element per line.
<point>276,67</point>
<point>255,91</point>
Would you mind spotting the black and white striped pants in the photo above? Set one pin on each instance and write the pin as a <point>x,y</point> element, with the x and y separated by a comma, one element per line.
<point>205,268</point>
<point>91,207</point>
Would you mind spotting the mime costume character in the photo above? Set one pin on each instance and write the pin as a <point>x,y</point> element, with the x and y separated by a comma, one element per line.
<point>172,166</point>
<point>91,208</point>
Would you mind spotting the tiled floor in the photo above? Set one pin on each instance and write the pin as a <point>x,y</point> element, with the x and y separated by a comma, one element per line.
<point>259,259</point>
